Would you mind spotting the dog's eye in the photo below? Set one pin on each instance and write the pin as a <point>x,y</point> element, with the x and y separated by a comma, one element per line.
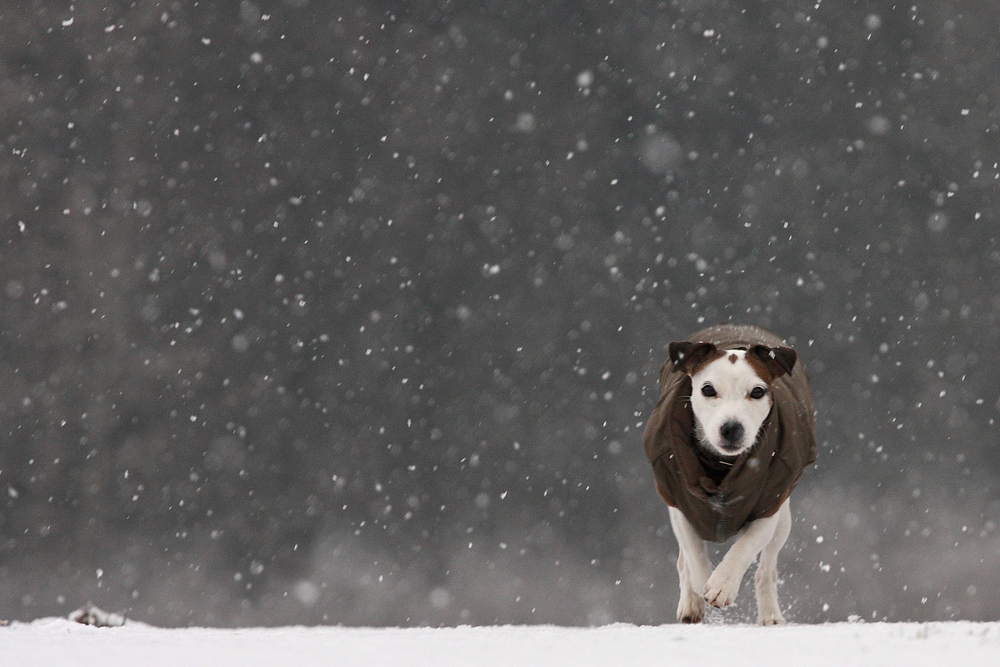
<point>708,390</point>
<point>758,392</point>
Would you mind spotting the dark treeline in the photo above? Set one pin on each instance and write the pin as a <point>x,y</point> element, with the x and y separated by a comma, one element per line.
<point>351,312</point>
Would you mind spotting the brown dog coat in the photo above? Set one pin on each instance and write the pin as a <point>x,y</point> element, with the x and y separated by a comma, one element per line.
<point>720,497</point>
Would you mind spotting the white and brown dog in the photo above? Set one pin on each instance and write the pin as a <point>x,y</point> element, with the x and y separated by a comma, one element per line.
<point>729,438</point>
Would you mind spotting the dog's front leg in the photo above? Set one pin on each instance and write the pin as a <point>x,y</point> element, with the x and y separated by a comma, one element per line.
<point>766,578</point>
<point>693,568</point>
<point>724,584</point>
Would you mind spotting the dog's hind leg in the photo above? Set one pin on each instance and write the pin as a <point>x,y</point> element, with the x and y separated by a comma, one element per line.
<point>693,569</point>
<point>690,605</point>
<point>766,577</point>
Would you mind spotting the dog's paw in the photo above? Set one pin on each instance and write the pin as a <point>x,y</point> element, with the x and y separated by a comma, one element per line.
<point>691,608</point>
<point>721,590</point>
<point>771,618</point>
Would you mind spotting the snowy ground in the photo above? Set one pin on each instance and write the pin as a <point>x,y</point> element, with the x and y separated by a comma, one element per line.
<point>57,642</point>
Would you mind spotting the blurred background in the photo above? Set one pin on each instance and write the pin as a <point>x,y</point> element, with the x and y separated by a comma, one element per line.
<point>351,312</point>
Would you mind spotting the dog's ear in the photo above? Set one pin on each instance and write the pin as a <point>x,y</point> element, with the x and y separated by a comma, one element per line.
<point>686,356</point>
<point>776,360</point>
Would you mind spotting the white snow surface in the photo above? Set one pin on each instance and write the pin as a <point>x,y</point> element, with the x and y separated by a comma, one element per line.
<point>57,642</point>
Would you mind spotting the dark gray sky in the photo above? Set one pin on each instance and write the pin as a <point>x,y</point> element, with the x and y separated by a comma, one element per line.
<point>351,312</point>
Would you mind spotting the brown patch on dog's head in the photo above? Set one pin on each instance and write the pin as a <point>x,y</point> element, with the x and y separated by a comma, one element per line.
<point>689,358</point>
<point>770,363</point>
<point>733,358</point>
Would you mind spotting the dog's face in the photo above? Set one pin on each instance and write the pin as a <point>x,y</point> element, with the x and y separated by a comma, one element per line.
<point>730,390</point>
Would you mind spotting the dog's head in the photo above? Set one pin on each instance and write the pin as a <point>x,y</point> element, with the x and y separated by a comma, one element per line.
<point>730,390</point>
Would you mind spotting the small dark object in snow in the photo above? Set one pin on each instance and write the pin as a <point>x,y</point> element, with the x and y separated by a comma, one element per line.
<point>91,615</point>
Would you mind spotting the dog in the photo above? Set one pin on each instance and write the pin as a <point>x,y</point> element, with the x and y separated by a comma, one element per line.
<point>730,436</point>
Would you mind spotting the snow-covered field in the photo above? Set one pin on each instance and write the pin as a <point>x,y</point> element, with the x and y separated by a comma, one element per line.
<point>57,642</point>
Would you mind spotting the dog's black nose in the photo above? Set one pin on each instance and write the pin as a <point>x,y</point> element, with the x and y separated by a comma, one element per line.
<point>732,432</point>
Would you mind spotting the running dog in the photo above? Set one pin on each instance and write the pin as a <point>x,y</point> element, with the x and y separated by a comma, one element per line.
<point>730,436</point>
